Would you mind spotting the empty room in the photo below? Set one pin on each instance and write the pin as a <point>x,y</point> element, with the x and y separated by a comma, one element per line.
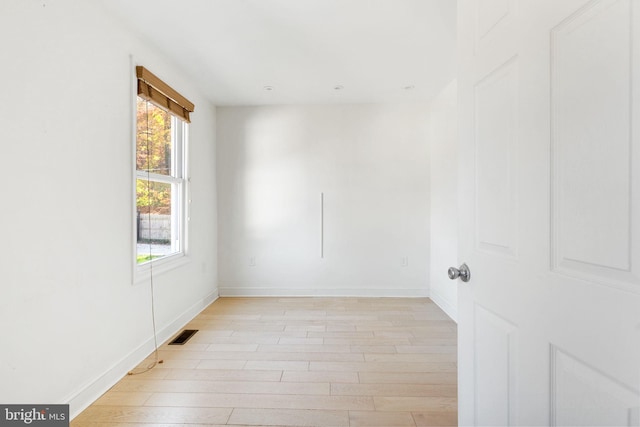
<point>320,213</point>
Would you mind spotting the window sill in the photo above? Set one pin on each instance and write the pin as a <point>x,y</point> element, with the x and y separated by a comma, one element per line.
<point>142,272</point>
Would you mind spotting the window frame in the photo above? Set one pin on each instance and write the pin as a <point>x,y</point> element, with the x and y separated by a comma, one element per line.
<point>179,201</point>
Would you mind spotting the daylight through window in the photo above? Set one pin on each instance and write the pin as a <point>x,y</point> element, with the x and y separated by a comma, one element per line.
<point>160,173</point>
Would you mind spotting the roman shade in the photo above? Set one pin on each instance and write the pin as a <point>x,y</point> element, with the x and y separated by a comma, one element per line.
<point>151,88</point>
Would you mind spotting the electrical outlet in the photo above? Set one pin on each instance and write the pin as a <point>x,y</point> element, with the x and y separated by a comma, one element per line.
<point>404,261</point>
<point>252,261</point>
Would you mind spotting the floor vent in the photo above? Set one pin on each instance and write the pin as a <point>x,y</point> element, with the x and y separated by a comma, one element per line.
<point>183,337</point>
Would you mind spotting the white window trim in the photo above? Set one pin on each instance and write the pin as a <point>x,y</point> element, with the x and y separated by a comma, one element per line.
<point>142,272</point>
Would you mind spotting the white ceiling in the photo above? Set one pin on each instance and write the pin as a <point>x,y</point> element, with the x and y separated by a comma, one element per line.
<point>232,49</point>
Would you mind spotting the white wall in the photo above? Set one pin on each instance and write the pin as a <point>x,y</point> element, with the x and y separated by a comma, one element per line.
<point>444,198</point>
<point>72,321</point>
<point>372,164</point>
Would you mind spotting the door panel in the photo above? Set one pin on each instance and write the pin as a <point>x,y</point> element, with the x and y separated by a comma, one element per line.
<point>549,179</point>
<point>582,395</point>
<point>496,102</point>
<point>592,197</point>
<point>494,364</point>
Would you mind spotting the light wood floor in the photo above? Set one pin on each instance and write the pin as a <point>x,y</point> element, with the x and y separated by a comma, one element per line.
<point>297,362</point>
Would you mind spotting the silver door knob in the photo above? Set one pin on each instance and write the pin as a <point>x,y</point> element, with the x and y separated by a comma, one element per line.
<point>463,273</point>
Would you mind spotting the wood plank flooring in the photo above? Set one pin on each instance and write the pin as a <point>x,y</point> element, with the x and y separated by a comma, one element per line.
<point>297,362</point>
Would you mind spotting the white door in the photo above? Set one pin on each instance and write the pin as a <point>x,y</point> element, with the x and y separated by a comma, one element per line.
<point>549,324</point>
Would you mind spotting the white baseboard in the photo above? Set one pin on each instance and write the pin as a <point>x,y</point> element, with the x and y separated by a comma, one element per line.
<point>297,292</point>
<point>91,391</point>
<point>451,309</point>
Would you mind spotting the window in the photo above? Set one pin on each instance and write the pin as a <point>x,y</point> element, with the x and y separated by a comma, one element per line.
<point>160,176</point>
